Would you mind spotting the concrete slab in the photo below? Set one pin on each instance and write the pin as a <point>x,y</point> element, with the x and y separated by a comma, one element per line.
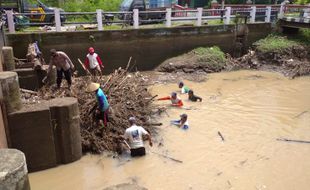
<point>31,132</point>
<point>13,170</point>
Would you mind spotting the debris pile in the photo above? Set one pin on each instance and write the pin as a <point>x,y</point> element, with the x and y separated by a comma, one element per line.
<point>128,96</point>
<point>292,62</point>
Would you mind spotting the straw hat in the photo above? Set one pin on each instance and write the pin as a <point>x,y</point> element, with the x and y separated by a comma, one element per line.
<point>92,87</point>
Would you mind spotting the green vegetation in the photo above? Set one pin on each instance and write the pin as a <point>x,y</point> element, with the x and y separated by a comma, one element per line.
<point>302,2</point>
<point>304,36</point>
<point>212,56</point>
<point>85,5</point>
<point>274,43</point>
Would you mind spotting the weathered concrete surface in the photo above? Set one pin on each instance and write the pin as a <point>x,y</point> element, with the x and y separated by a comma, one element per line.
<point>3,139</point>
<point>10,89</point>
<point>48,133</point>
<point>13,170</point>
<point>65,113</point>
<point>32,79</point>
<point>148,47</point>
<point>31,132</point>
<point>8,58</point>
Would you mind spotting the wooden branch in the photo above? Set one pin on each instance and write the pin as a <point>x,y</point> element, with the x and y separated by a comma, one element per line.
<point>87,71</point>
<point>291,140</point>
<point>28,91</point>
<point>168,157</point>
<point>220,134</point>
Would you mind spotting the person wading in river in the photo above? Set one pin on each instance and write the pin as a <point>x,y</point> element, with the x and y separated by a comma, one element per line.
<point>102,111</point>
<point>63,65</point>
<point>93,62</point>
<point>184,89</point>
<point>175,100</point>
<point>182,122</point>
<point>134,135</point>
<point>193,97</point>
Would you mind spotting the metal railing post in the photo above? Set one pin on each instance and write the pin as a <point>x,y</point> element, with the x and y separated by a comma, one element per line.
<point>252,14</point>
<point>227,15</point>
<point>99,19</point>
<point>136,18</point>
<point>10,20</point>
<point>268,14</point>
<point>199,16</point>
<point>281,13</point>
<point>57,20</point>
<point>168,17</point>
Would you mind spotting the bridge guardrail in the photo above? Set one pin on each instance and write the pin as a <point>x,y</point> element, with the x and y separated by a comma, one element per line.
<point>136,17</point>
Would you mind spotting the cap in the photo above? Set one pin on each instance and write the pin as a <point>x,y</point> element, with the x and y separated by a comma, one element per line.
<point>173,94</point>
<point>91,50</point>
<point>132,119</point>
<point>183,115</point>
<point>181,83</point>
<point>92,87</point>
<point>190,91</point>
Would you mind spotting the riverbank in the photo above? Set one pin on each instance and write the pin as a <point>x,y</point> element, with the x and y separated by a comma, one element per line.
<point>290,57</point>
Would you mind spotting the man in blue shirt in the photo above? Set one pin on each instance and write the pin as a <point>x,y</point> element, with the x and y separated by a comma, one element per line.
<point>103,104</point>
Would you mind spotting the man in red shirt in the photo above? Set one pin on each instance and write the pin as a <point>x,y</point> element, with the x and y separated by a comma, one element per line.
<point>93,62</point>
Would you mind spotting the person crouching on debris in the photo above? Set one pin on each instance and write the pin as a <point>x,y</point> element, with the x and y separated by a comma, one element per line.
<point>193,97</point>
<point>134,135</point>
<point>175,100</point>
<point>182,122</point>
<point>63,65</point>
<point>184,89</point>
<point>102,110</point>
<point>93,62</point>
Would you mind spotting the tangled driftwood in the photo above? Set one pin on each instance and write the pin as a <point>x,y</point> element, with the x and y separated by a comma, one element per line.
<point>128,96</point>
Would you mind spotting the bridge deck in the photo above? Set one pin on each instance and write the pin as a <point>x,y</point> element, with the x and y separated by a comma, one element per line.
<point>295,22</point>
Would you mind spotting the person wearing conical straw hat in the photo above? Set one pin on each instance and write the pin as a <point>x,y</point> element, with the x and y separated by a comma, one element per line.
<point>103,104</point>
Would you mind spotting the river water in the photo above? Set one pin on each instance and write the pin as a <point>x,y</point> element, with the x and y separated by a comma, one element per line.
<point>251,109</point>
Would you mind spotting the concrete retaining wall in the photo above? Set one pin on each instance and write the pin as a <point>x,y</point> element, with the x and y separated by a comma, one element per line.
<point>148,47</point>
<point>48,133</point>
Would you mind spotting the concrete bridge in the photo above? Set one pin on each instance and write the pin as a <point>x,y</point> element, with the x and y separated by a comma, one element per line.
<point>295,22</point>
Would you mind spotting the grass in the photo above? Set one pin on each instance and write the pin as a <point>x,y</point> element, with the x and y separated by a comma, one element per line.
<point>274,43</point>
<point>212,56</point>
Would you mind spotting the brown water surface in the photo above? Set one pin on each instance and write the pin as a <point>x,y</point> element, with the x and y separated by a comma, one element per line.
<point>251,109</point>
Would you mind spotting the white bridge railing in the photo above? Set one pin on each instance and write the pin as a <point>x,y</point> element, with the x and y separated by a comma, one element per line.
<point>169,16</point>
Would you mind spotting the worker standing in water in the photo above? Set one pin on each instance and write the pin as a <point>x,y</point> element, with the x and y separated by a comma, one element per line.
<point>184,89</point>
<point>175,100</point>
<point>134,135</point>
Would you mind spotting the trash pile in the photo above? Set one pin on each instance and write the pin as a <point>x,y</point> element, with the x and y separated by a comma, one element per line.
<point>128,96</point>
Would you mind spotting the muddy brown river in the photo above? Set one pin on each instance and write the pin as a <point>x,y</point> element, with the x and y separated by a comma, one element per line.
<point>251,109</point>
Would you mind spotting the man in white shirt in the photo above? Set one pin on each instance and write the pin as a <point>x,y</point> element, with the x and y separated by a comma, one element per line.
<point>134,135</point>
